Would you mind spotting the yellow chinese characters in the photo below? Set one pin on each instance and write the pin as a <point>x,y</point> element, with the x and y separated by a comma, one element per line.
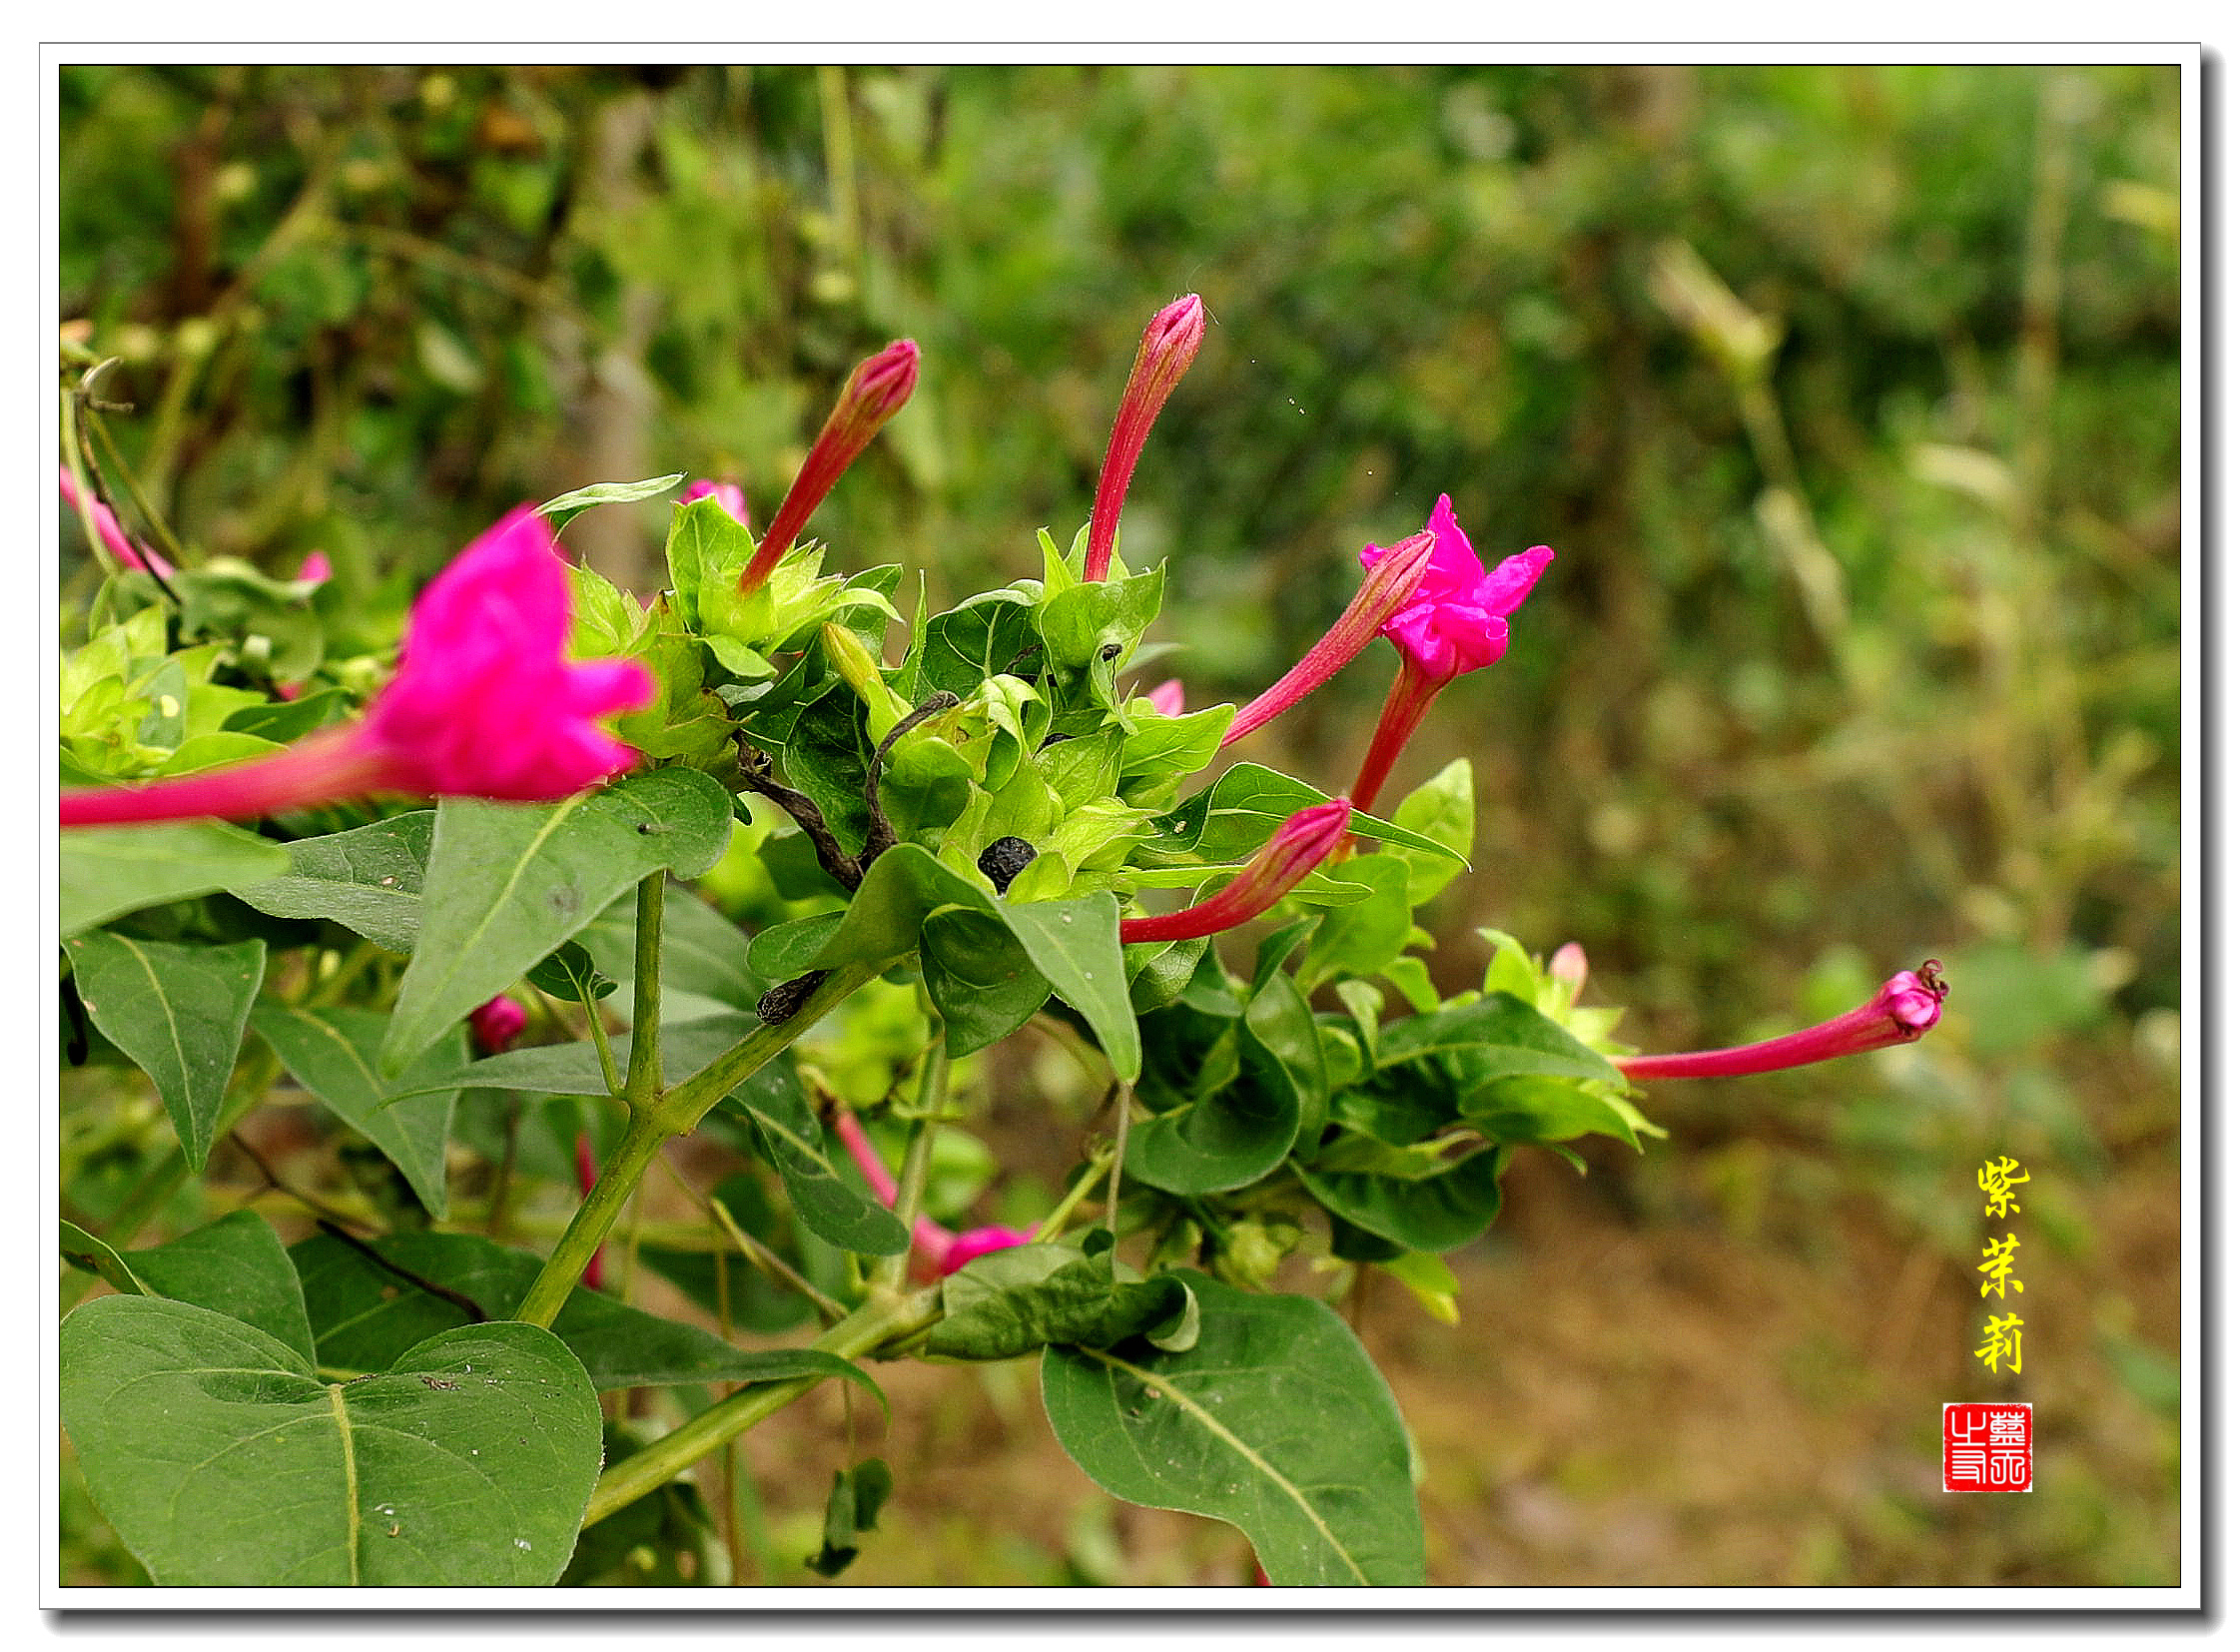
<point>1999,1265</point>
<point>2003,1339</point>
<point>1997,1180</point>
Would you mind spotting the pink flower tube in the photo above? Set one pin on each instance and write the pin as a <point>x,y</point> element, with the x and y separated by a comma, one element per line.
<point>874,394</point>
<point>1300,844</point>
<point>1907,1006</point>
<point>112,532</point>
<point>1169,345</point>
<point>483,704</point>
<point>936,1251</point>
<point>1391,588</point>
<point>1457,622</point>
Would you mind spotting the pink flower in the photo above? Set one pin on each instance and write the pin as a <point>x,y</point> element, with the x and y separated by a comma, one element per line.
<point>1458,619</point>
<point>1907,1006</point>
<point>1167,698</point>
<point>112,534</point>
<point>483,704</point>
<point>316,569</point>
<point>1168,344</point>
<point>495,1025</point>
<point>726,494</point>
<point>936,1251</point>
<point>1568,970</point>
<point>1457,622</point>
<point>874,394</point>
<point>1299,845</point>
<point>587,1178</point>
<point>1389,587</point>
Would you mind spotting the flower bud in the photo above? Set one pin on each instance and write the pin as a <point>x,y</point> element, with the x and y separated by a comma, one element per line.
<point>1168,344</point>
<point>1300,844</point>
<point>495,1025</point>
<point>874,394</point>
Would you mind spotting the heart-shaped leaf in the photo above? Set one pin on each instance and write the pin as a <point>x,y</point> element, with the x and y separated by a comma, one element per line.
<point>220,1459</point>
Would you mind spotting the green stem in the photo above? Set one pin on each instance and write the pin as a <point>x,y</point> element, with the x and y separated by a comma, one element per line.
<point>885,1318</point>
<point>618,1179</point>
<point>685,1104</point>
<point>599,1042</point>
<point>916,1155</point>
<point>1055,1223</point>
<point>644,1087</point>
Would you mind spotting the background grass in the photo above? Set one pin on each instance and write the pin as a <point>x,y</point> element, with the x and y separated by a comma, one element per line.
<point>1849,398</point>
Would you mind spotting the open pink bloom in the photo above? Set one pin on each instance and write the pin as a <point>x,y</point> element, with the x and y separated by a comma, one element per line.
<point>936,1252</point>
<point>112,532</point>
<point>1907,1007</point>
<point>495,1025</point>
<point>874,394</point>
<point>726,494</point>
<point>1390,586</point>
<point>1300,844</point>
<point>1457,622</point>
<point>485,703</point>
<point>1168,344</point>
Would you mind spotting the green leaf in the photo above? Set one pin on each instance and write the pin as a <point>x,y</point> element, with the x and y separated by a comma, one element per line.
<point>507,883</point>
<point>178,1012</point>
<point>365,1315</point>
<point>573,1069</point>
<point>570,975</point>
<point>1367,936</point>
<point>1235,1115</point>
<point>286,721</point>
<point>1079,623</point>
<point>331,1052</point>
<point>1232,817</point>
<point>111,870</point>
<point>830,1206</point>
<point>1531,1109</point>
<point>1013,1301</point>
<point>853,1507</point>
<point>1432,1213</point>
<point>1497,1035</point>
<point>235,1266</point>
<point>569,506</point>
<point>1445,810</point>
<point>969,645</point>
<point>220,1459</point>
<point>366,879</point>
<point>1274,1422</point>
<point>980,979</point>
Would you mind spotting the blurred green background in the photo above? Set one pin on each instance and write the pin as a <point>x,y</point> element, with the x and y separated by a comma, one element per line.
<point>1849,398</point>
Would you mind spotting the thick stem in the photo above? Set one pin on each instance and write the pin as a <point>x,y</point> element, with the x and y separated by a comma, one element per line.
<point>617,1181</point>
<point>684,1105</point>
<point>885,1318</point>
<point>644,1087</point>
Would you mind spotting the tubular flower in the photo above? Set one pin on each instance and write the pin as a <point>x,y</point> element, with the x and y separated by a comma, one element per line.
<point>1160,361</point>
<point>1389,588</point>
<point>729,494</point>
<point>1907,1007</point>
<point>1300,844</point>
<point>495,1025</point>
<point>874,394</point>
<point>936,1251</point>
<point>112,532</point>
<point>483,704</point>
<point>1458,622</point>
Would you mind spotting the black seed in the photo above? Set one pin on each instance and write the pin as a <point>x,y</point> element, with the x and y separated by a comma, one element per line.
<point>1005,859</point>
<point>1110,650</point>
<point>783,1002</point>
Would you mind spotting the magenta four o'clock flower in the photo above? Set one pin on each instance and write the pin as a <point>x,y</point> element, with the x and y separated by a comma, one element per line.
<point>483,704</point>
<point>1907,1007</point>
<point>874,394</point>
<point>1299,845</point>
<point>1457,622</point>
<point>1168,344</point>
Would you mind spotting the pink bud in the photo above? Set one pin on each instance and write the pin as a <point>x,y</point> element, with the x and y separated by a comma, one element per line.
<point>113,535</point>
<point>485,703</point>
<point>1389,587</point>
<point>977,1242</point>
<point>1907,1006</point>
<point>726,494</point>
<point>1168,344</point>
<point>1167,698</point>
<point>1300,844</point>
<point>587,1178</point>
<point>495,1025</point>
<point>1568,969</point>
<point>874,394</point>
<point>316,569</point>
